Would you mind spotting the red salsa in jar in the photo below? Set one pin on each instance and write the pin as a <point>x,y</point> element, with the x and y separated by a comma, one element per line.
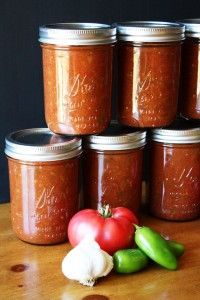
<point>77,72</point>
<point>190,75</point>
<point>149,68</point>
<point>112,166</point>
<point>175,174</point>
<point>44,184</point>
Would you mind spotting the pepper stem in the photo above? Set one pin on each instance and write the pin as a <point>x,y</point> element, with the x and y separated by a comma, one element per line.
<point>136,226</point>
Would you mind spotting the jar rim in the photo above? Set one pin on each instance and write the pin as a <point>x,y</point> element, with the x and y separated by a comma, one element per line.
<point>150,31</point>
<point>192,27</point>
<point>77,34</point>
<point>123,141</point>
<point>40,144</point>
<point>180,136</point>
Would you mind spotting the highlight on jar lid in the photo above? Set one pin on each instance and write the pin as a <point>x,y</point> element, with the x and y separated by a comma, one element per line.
<point>192,27</point>
<point>150,31</point>
<point>40,144</point>
<point>116,137</point>
<point>182,134</point>
<point>77,34</point>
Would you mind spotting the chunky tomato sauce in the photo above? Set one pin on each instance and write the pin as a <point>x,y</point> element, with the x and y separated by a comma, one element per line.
<point>148,83</point>
<point>113,177</point>
<point>175,181</point>
<point>190,75</point>
<point>77,88</point>
<point>44,196</point>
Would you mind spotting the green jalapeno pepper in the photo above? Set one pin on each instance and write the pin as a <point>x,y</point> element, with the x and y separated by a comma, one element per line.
<point>176,248</point>
<point>129,261</point>
<point>155,246</point>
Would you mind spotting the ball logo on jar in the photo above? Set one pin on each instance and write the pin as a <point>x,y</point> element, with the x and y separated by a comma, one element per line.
<point>48,201</point>
<point>181,178</point>
<point>82,85</point>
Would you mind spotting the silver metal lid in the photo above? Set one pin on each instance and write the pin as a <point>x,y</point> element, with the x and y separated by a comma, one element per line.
<point>77,34</point>
<point>40,144</point>
<point>116,138</point>
<point>150,31</point>
<point>192,27</point>
<point>178,136</point>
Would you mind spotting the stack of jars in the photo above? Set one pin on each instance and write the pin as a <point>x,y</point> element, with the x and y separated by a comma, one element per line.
<point>78,58</point>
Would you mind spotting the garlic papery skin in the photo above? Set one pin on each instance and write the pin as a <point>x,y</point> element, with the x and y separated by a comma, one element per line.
<point>87,262</point>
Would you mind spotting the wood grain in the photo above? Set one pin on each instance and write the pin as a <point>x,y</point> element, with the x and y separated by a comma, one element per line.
<point>34,272</point>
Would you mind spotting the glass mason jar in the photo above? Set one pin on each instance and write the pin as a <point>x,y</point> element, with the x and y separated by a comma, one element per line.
<point>149,68</point>
<point>175,174</point>
<point>44,184</point>
<point>77,73</point>
<point>190,75</point>
<point>112,168</point>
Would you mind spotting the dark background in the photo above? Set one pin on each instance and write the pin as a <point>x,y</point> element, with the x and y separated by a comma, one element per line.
<point>21,87</point>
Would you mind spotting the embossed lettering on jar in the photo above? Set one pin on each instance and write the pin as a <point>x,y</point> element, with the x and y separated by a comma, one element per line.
<point>44,184</point>
<point>112,169</point>
<point>77,72</point>
<point>175,174</point>
<point>190,76</point>
<point>149,69</point>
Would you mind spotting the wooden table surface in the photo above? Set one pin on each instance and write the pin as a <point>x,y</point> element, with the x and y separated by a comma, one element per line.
<point>34,272</point>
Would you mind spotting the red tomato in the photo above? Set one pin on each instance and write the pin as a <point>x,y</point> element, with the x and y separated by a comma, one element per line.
<point>112,231</point>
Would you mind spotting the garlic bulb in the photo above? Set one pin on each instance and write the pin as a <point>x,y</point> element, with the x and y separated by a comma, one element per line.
<point>87,262</point>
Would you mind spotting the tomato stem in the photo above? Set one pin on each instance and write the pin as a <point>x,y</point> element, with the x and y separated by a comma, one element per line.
<point>105,211</point>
